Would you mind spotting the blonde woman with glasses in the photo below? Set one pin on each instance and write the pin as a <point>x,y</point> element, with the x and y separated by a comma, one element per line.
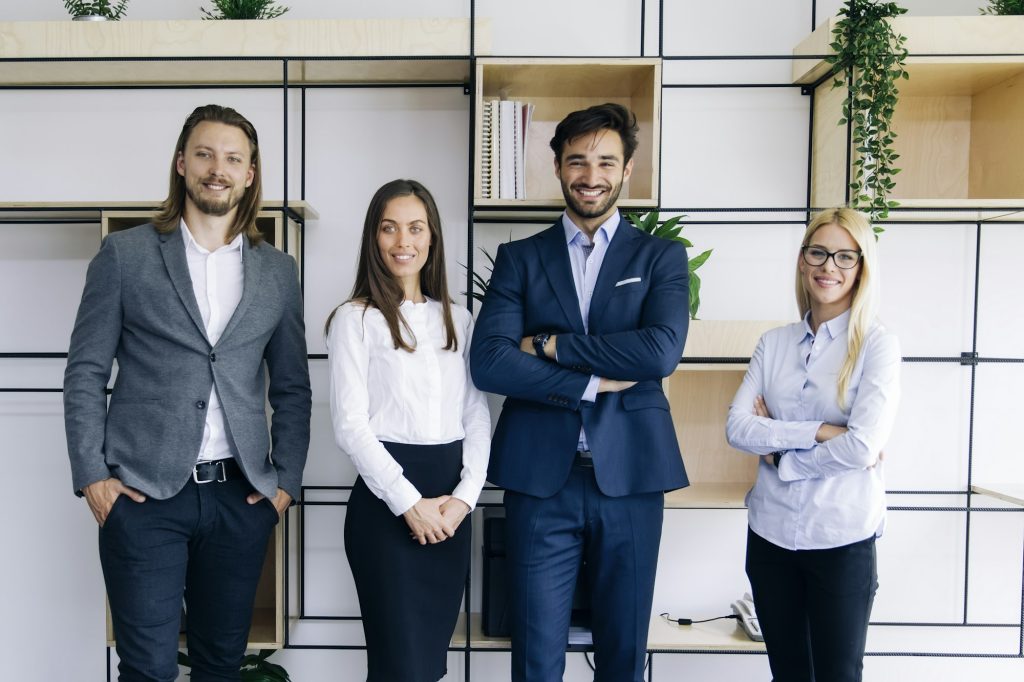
<point>817,405</point>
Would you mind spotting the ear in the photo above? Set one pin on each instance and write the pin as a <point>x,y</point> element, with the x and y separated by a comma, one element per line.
<point>250,175</point>
<point>627,171</point>
<point>558,168</point>
<point>179,164</point>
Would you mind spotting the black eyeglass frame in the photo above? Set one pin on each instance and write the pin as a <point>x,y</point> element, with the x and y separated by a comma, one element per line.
<point>830,254</point>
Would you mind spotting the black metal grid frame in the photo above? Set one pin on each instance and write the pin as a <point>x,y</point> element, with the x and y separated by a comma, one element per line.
<point>969,359</point>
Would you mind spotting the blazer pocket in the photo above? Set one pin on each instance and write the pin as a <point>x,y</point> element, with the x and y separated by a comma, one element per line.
<point>643,399</point>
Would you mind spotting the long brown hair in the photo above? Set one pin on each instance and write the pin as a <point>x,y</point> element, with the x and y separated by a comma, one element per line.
<point>169,214</point>
<point>377,287</point>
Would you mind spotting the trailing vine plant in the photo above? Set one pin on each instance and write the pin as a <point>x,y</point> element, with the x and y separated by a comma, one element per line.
<point>872,56</point>
<point>1004,7</point>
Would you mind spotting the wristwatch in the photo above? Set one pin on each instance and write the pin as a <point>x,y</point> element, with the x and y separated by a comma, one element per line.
<point>539,341</point>
<point>777,457</point>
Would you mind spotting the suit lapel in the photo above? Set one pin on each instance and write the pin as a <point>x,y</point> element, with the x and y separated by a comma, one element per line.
<point>554,256</point>
<point>172,248</point>
<point>252,267</point>
<point>616,260</point>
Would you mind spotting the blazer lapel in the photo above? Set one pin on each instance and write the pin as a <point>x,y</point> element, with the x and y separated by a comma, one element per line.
<point>554,256</point>
<point>172,248</point>
<point>252,267</point>
<point>616,260</point>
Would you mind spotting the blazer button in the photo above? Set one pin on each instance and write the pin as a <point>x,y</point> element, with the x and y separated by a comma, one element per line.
<point>200,404</point>
<point>213,357</point>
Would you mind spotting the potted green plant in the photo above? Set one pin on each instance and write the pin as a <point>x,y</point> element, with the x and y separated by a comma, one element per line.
<point>95,10</point>
<point>869,59</point>
<point>255,667</point>
<point>1003,7</point>
<point>671,229</point>
<point>244,9</point>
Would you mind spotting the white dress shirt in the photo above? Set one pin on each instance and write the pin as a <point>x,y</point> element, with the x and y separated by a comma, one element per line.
<point>586,266</point>
<point>380,393</point>
<point>217,282</point>
<point>828,494</point>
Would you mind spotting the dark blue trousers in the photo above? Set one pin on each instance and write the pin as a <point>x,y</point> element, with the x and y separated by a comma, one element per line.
<point>813,606</point>
<point>547,540</point>
<point>206,544</point>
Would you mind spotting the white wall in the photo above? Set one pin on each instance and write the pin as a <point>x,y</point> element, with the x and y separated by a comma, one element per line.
<point>722,148</point>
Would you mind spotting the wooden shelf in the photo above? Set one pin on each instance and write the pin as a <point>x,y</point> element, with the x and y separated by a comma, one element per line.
<point>267,629</point>
<point>476,635</point>
<point>319,51</point>
<point>957,122</point>
<point>1014,494</point>
<point>558,87</point>
<point>699,395</point>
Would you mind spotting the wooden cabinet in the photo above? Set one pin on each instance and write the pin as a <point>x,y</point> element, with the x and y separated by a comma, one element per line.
<point>958,121</point>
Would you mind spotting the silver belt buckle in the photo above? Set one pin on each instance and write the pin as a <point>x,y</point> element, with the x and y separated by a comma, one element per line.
<point>221,478</point>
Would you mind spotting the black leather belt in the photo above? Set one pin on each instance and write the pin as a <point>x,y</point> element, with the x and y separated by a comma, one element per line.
<point>583,458</point>
<point>217,471</point>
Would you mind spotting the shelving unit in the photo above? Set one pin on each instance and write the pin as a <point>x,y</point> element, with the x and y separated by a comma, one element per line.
<point>560,86</point>
<point>957,122</point>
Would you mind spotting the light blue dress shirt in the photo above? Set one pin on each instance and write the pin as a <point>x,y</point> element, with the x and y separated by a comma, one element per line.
<point>829,494</point>
<point>585,269</point>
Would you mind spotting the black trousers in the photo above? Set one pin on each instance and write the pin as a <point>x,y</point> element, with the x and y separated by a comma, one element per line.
<point>813,607</point>
<point>207,544</point>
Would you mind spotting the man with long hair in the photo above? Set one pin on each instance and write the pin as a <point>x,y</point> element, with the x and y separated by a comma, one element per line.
<point>580,324</point>
<point>179,470</point>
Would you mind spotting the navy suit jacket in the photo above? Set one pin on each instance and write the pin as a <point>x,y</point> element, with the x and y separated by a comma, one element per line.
<point>636,332</point>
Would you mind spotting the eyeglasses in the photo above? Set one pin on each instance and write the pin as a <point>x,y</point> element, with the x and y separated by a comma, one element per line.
<point>845,259</point>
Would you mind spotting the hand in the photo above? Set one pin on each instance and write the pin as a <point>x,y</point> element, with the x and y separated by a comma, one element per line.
<point>281,500</point>
<point>101,495</point>
<point>613,385</point>
<point>454,511</point>
<point>761,407</point>
<point>881,457</point>
<point>828,432</point>
<point>426,522</point>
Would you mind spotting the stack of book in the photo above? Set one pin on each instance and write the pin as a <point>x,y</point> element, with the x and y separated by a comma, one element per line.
<point>503,156</point>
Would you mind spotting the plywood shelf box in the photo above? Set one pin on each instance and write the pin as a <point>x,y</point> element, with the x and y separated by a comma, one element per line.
<point>230,52</point>
<point>699,395</point>
<point>958,120</point>
<point>557,87</point>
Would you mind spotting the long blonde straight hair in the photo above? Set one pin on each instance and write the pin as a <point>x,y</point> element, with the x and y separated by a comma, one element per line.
<point>865,289</point>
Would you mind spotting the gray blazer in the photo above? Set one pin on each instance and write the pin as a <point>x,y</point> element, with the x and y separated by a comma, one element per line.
<point>139,307</point>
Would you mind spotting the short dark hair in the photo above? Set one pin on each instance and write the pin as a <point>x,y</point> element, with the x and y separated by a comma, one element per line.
<point>606,116</point>
<point>170,211</point>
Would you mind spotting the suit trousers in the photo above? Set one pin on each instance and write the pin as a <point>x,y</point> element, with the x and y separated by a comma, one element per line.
<point>207,545</point>
<point>547,541</point>
<point>813,607</point>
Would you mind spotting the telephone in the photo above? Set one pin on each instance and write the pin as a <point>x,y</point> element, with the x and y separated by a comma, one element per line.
<point>744,610</point>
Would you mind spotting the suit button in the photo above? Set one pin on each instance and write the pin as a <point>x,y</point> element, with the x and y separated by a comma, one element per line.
<point>213,357</point>
<point>200,404</point>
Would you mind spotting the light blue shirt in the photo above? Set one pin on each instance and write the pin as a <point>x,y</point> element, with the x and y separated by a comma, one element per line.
<point>585,270</point>
<point>829,494</point>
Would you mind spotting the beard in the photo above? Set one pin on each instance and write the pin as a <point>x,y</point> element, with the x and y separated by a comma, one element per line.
<point>592,210</point>
<point>214,206</point>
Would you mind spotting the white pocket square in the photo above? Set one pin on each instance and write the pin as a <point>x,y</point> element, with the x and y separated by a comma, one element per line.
<point>631,280</point>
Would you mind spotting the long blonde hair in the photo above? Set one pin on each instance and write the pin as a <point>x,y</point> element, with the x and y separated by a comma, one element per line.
<point>865,288</point>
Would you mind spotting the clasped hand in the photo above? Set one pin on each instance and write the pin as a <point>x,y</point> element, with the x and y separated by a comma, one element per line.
<point>435,519</point>
<point>825,431</point>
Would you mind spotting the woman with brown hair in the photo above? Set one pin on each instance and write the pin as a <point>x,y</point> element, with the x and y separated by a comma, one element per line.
<point>404,408</point>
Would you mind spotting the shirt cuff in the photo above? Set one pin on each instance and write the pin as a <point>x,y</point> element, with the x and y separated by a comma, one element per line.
<point>590,395</point>
<point>796,435</point>
<point>465,491</point>
<point>793,468</point>
<point>401,496</point>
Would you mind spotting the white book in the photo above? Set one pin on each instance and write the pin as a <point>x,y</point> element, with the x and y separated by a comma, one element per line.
<point>488,144</point>
<point>507,149</point>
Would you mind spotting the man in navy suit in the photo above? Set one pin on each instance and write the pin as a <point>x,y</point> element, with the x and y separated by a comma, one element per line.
<point>580,324</point>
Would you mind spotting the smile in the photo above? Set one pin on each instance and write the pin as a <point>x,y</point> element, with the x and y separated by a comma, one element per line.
<point>825,282</point>
<point>403,257</point>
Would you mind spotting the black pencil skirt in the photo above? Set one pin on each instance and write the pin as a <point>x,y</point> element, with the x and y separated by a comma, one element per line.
<point>409,594</point>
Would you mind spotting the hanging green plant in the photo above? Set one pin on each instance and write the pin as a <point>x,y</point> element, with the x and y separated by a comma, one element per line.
<point>1003,7</point>
<point>670,230</point>
<point>872,56</point>
<point>96,8</point>
<point>244,9</point>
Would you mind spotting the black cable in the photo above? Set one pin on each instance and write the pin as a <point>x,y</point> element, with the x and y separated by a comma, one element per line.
<point>690,621</point>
